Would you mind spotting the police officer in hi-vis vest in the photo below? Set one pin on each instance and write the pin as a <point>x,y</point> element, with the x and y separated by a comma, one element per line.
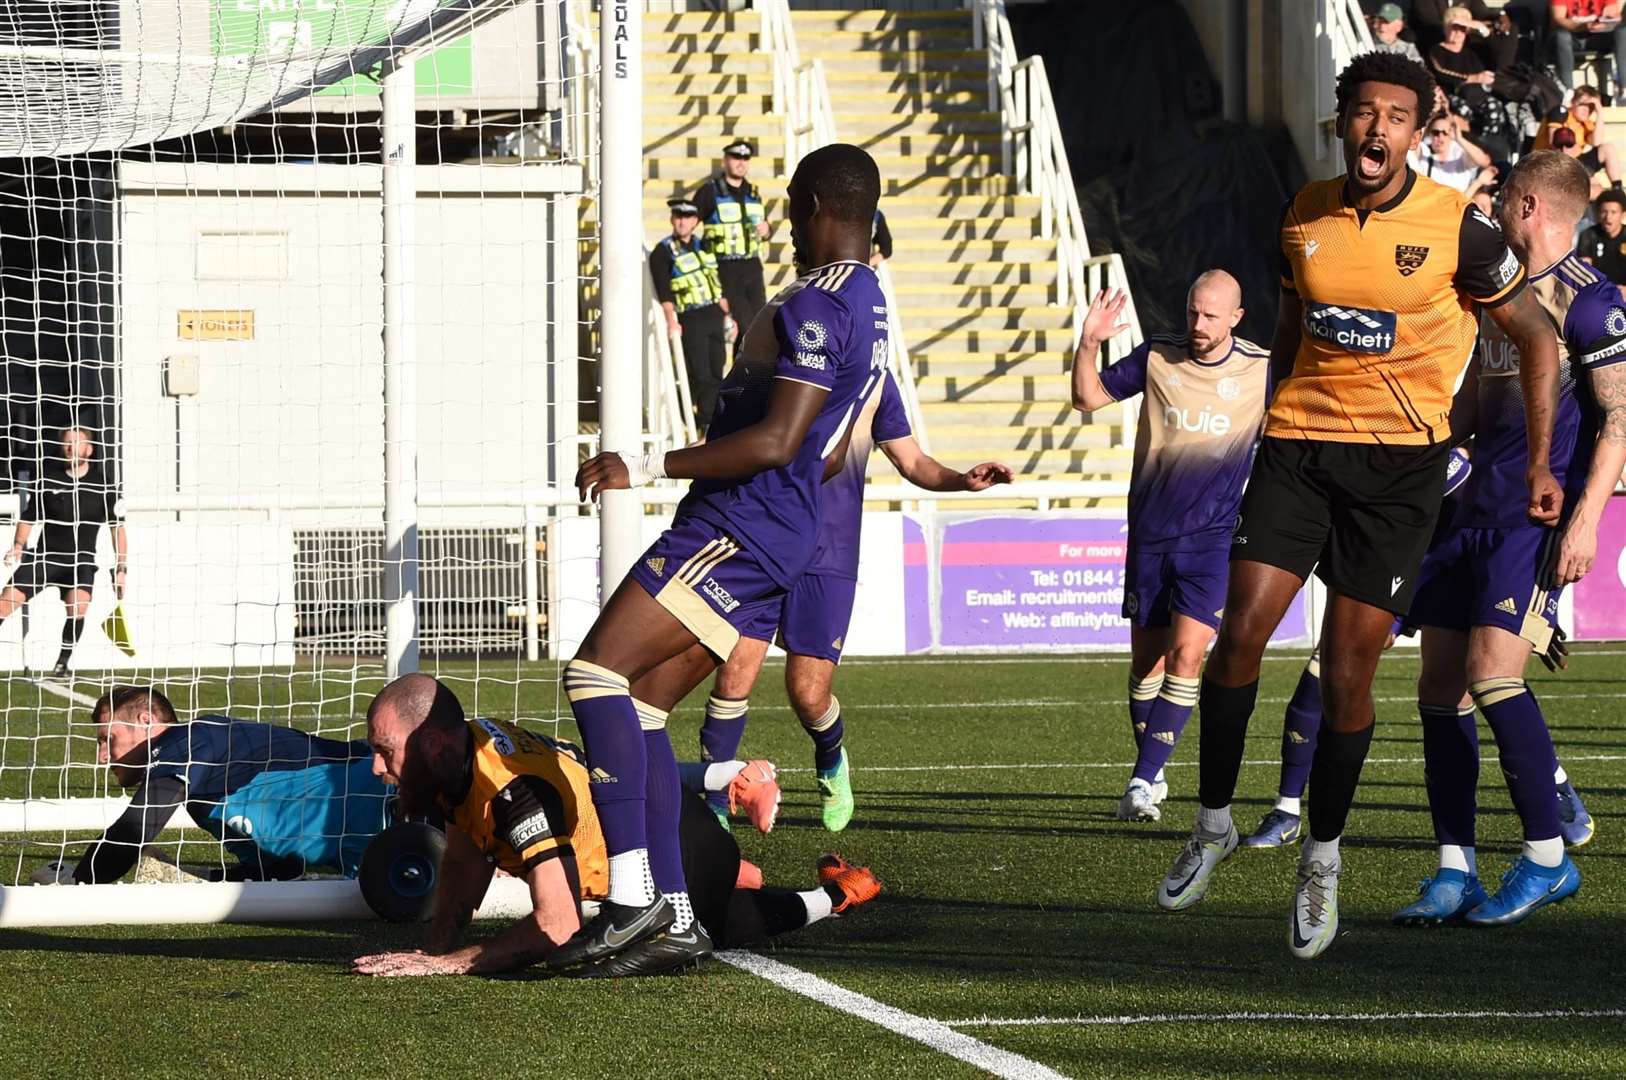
<point>686,284</point>
<point>735,230</point>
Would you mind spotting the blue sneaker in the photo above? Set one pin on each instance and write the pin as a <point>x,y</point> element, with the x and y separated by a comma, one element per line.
<point>1278,829</point>
<point>1448,895</point>
<point>1525,888</point>
<point>1573,820</point>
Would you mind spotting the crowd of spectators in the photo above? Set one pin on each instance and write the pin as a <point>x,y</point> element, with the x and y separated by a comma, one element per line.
<point>1507,85</point>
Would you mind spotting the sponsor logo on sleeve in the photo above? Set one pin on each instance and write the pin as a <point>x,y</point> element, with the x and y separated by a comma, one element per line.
<point>524,833</point>
<point>1361,330</point>
<point>1507,269</point>
<point>499,737</point>
<point>811,339</point>
<point>1614,321</point>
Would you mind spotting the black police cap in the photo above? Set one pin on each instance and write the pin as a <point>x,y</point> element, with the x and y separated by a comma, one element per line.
<point>739,149</point>
<point>683,207</point>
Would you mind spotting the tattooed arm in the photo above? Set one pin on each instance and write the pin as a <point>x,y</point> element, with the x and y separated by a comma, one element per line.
<point>1607,375</point>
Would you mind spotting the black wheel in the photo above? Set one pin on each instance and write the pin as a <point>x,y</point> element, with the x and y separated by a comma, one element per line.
<point>399,871</point>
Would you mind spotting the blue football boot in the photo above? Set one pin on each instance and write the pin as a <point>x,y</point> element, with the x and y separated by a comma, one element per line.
<point>1448,895</point>
<point>1278,829</point>
<point>1573,821</point>
<point>1525,888</point>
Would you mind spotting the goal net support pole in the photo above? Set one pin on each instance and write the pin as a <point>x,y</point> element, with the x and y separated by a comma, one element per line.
<point>621,273</point>
<point>398,121</point>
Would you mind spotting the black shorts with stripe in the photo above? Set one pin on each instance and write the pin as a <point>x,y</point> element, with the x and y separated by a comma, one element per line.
<point>1360,515</point>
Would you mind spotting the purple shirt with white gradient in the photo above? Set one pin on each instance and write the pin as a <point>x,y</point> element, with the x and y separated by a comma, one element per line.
<point>1588,309</point>
<point>841,513</point>
<point>828,329</point>
<point>1199,424</point>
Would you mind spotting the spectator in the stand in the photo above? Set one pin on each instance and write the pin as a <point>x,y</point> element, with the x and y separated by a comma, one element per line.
<point>684,274</point>
<point>1492,34</point>
<point>74,498</point>
<point>1581,135</point>
<point>881,238</point>
<point>1463,75</point>
<point>1446,158</point>
<point>1604,244</point>
<point>1587,24</point>
<point>1387,23</point>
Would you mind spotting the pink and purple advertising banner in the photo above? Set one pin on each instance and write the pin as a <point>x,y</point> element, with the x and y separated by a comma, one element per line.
<point>1014,582</point>
<point>1600,597</point>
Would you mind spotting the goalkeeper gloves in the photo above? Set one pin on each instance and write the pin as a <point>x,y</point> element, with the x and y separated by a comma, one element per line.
<point>1557,656</point>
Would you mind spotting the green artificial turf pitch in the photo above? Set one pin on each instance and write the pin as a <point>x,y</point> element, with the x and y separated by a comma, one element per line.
<point>985,795</point>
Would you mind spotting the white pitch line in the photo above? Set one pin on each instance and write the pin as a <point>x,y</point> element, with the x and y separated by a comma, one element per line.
<point>933,1033</point>
<point>1130,764</point>
<point>65,692</point>
<point>1068,703</point>
<point>1246,1017</point>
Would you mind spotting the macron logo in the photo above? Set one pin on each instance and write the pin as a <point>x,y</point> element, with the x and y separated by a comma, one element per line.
<point>1310,248</point>
<point>1395,586</point>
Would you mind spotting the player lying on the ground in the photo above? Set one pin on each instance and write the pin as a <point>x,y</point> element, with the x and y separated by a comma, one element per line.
<point>1204,396</point>
<point>1488,595</point>
<point>1382,271</point>
<point>743,535</point>
<point>520,801</point>
<point>811,620</point>
<point>281,802</point>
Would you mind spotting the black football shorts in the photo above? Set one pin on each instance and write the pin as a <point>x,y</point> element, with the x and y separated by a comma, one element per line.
<point>1359,515</point>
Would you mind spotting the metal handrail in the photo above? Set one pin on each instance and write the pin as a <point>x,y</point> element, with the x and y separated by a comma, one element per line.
<point>1035,157</point>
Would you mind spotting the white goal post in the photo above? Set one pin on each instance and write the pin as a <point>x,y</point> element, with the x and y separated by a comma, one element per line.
<point>307,278</point>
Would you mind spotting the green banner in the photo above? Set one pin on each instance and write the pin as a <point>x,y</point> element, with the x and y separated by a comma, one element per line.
<point>275,28</point>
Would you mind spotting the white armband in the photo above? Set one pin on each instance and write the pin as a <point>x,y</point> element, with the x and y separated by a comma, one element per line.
<point>641,470</point>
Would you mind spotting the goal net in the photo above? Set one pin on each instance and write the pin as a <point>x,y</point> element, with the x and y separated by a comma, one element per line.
<point>293,339</point>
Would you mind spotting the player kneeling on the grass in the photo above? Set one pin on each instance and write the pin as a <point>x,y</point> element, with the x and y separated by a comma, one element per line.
<point>280,801</point>
<point>520,801</point>
<point>1382,271</point>
<point>811,620</point>
<point>1489,591</point>
<point>743,535</point>
<point>1204,395</point>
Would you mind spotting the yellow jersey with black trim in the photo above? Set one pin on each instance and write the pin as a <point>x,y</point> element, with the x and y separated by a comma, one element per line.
<point>1389,299</point>
<point>528,801</point>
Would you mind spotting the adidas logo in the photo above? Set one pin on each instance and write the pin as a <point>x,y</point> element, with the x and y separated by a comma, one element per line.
<point>1508,606</point>
<point>1140,728</point>
<point>657,565</point>
<point>1164,737</point>
<point>836,644</point>
<point>1297,739</point>
<point>599,776</point>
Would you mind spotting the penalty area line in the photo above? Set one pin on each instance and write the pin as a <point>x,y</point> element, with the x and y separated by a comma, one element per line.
<point>933,1033</point>
<point>1257,1017</point>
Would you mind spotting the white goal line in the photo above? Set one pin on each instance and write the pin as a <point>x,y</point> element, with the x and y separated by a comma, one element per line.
<point>1271,1017</point>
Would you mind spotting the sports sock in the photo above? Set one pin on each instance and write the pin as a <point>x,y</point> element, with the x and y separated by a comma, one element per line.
<point>630,881</point>
<point>1334,776</point>
<point>1142,693</point>
<point>827,732</point>
<point>72,629</point>
<point>701,779</point>
<point>1526,752</point>
<point>1213,821</point>
<point>1324,852</point>
<point>683,911</point>
<point>1455,857</point>
<point>617,762</point>
<point>1223,731</point>
<point>1166,720</point>
<point>818,903</point>
<point>1451,773</point>
<point>720,737</point>
<point>1548,852</point>
<point>1301,723</point>
<point>662,808</point>
<point>1287,805</point>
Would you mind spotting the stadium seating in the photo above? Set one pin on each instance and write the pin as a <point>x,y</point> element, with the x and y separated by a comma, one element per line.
<point>974,279</point>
